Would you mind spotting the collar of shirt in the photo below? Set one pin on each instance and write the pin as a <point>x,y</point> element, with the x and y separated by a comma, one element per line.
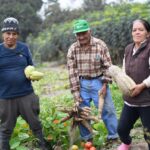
<point>135,49</point>
<point>91,42</point>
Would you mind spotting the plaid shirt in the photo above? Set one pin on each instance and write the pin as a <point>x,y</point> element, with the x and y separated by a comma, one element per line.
<point>92,61</point>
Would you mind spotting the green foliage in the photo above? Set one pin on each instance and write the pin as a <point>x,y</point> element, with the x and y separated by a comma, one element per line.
<point>53,129</point>
<point>21,135</point>
<point>93,5</point>
<point>56,43</point>
<point>54,93</point>
<point>55,132</point>
<point>25,11</point>
<point>100,134</point>
<point>113,25</point>
<point>117,98</point>
<point>55,15</point>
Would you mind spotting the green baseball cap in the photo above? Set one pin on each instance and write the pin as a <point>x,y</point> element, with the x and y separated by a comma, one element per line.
<point>81,26</point>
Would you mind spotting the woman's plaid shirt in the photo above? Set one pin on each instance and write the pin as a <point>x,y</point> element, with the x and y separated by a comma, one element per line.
<point>92,61</point>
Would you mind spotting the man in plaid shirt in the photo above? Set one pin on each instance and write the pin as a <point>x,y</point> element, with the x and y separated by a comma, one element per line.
<point>88,60</point>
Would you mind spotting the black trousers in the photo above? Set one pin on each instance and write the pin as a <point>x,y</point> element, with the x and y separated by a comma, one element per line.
<point>127,120</point>
<point>10,109</point>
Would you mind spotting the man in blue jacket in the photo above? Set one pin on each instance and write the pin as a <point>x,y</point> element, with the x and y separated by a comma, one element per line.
<point>17,96</point>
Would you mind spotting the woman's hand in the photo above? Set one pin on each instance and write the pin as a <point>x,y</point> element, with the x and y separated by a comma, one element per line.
<point>137,89</point>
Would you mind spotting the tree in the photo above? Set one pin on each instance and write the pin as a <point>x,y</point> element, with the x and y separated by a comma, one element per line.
<point>25,11</point>
<point>55,15</point>
<point>92,5</point>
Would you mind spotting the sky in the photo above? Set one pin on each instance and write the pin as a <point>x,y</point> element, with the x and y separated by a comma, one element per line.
<point>77,3</point>
<point>69,3</point>
<point>64,4</point>
<point>72,4</point>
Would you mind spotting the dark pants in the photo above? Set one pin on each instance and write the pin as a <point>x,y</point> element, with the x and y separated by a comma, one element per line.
<point>127,120</point>
<point>10,109</point>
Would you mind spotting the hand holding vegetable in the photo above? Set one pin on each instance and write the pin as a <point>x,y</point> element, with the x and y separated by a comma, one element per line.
<point>137,89</point>
<point>32,74</point>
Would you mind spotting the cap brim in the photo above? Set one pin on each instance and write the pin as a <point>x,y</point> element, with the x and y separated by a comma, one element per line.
<point>81,30</point>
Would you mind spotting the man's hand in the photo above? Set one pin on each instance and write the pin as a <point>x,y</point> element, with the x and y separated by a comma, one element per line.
<point>106,79</point>
<point>77,103</point>
<point>137,89</point>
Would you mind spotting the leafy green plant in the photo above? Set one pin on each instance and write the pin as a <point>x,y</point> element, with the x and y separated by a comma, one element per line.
<point>21,135</point>
<point>100,134</point>
<point>58,95</point>
<point>55,131</point>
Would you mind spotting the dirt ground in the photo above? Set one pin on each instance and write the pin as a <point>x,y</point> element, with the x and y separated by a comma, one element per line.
<point>138,142</point>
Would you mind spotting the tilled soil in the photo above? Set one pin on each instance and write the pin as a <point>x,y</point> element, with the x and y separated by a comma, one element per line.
<point>138,142</point>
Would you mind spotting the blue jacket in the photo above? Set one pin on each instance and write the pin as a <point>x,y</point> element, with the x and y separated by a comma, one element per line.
<point>13,82</point>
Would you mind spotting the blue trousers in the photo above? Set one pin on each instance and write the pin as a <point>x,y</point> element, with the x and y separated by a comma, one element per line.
<point>88,92</point>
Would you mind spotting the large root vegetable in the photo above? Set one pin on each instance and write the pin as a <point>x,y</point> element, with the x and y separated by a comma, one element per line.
<point>124,82</point>
<point>79,115</point>
<point>87,125</point>
<point>100,104</point>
